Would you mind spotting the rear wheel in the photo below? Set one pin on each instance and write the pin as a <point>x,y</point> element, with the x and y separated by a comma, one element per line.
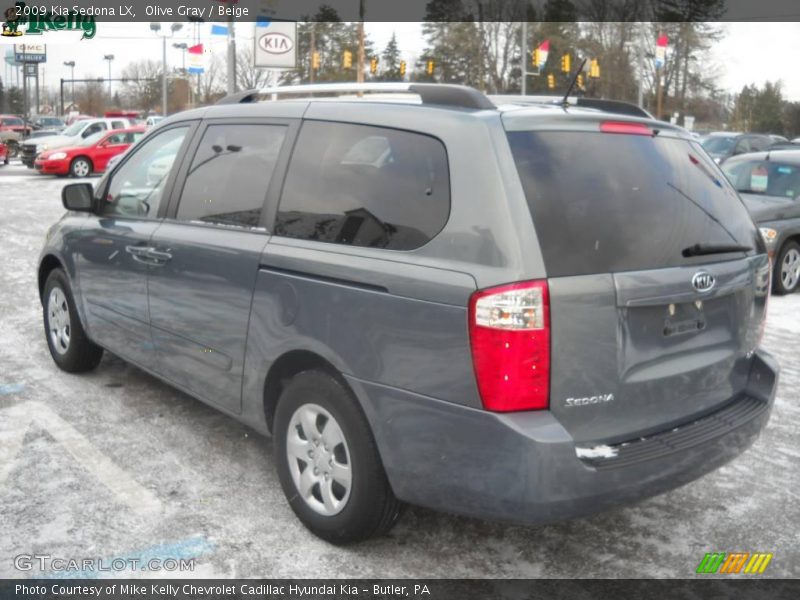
<point>787,269</point>
<point>80,167</point>
<point>69,345</point>
<point>328,463</point>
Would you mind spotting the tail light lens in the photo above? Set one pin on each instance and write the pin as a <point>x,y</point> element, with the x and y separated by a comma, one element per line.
<point>625,127</point>
<point>509,329</point>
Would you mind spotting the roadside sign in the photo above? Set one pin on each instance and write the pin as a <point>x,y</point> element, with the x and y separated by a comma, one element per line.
<point>30,53</point>
<point>275,44</point>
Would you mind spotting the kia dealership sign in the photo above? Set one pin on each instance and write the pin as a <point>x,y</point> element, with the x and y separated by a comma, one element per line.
<point>276,44</point>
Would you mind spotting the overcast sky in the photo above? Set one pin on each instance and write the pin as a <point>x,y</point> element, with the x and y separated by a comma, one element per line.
<point>752,52</point>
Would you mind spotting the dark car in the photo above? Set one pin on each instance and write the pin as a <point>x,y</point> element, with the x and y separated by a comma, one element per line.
<point>47,122</point>
<point>769,184</point>
<point>525,313</point>
<point>722,145</point>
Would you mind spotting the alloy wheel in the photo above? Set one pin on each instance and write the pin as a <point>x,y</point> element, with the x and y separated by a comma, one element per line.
<point>790,269</point>
<point>58,321</point>
<point>319,459</point>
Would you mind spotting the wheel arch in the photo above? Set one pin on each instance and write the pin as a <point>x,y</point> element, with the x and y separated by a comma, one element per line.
<point>287,366</point>
<point>47,265</point>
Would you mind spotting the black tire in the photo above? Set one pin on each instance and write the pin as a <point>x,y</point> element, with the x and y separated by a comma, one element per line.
<point>78,164</point>
<point>789,249</point>
<point>79,354</point>
<point>371,509</point>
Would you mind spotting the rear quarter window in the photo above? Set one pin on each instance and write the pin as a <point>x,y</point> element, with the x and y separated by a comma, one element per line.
<point>608,203</point>
<point>368,186</point>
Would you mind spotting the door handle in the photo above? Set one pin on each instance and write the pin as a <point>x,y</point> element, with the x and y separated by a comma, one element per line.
<point>139,253</point>
<point>159,257</point>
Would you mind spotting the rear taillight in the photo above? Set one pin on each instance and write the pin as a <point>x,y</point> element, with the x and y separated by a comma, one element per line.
<point>509,330</point>
<point>625,127</point>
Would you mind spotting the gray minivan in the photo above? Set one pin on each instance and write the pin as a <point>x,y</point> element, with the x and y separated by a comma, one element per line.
<point>521,313</point>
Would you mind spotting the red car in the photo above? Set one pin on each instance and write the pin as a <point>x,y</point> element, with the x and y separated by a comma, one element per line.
<point>90,156</point>
<point>3,154</point>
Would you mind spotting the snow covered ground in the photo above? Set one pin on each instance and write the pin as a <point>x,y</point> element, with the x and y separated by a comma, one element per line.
<point>117,464</point>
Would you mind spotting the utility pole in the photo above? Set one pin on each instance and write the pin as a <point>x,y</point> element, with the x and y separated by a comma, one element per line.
<point>231,56</point>
<point>313,51</point>
<point>524,59</point>
<point>640,91</point>
<point>360,70</point>
<point>156,27</point>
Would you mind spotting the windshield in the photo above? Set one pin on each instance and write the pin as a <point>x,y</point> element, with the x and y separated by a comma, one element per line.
<point>718,144</point>
<point>50,121</point>
<point>93,139</point>
<point>609,203</point>
<point>767,178</point>
<point>74,129</point>
<point>12,121</point>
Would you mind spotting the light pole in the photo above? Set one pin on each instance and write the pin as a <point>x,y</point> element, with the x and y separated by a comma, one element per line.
<point>156,27</point>
<point>71,65</point>
<point>109,58</point>
<point>183,46</point>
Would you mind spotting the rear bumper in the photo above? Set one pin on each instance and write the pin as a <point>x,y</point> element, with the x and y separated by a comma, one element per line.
<point>523,467</point>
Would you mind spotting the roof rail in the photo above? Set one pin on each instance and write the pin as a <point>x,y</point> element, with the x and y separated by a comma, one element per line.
<point>430,93</point>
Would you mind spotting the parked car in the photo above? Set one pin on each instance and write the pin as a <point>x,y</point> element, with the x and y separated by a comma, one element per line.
<point>3,153</point>
<point>12,131</point>
<point>90,156</point>
<point>523,313</point>
<point>71,136</point>
<point>778,139</point>
<point>47,122</point>
<point>722,145</point>
<point>769,184</point>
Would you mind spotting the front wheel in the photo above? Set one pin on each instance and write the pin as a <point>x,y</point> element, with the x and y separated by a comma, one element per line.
<point>80,167</point>
<point>787,269</point>
<point>69,345</point>
<point>328,462</point>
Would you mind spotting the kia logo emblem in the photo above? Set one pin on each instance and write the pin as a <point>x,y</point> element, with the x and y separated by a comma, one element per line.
<point>276,43</point>
<point>703,281</point>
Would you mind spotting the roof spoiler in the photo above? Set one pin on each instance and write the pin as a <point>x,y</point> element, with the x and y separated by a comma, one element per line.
<point>612,106</point>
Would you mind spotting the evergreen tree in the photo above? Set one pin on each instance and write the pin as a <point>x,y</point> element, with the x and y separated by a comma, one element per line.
<point>390,61</point>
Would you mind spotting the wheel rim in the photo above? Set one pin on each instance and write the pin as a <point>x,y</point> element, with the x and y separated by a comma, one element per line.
<point>58,321</point>
<point>81,168</point>
<point>319,459</point>
<point>790,269</point>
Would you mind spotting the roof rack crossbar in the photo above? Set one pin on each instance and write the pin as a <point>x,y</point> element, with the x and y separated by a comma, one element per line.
<point>430,93</point>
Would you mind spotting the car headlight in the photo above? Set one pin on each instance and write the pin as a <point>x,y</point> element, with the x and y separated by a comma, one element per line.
<point>58,156</point>
<point>769,235</point>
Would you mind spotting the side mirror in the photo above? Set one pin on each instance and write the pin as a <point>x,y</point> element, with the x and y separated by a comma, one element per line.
<point>78,196</point>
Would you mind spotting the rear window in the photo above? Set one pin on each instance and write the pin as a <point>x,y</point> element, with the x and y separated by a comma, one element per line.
<point>608,202</point>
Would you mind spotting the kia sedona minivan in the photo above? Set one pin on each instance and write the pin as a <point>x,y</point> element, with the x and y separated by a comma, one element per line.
<point>523,313</point>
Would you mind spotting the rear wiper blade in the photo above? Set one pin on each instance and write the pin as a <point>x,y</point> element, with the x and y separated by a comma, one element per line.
<point>705,249</point>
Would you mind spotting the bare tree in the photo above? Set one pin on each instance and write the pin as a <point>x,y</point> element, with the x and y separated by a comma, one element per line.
<point>248,76</point>
<point>142,84</point>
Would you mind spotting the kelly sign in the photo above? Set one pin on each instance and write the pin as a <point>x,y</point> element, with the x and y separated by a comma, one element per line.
<point>276,44</point>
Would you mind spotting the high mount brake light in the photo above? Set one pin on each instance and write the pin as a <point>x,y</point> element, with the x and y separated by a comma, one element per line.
<point>509,330</point>
<point>625,127</point>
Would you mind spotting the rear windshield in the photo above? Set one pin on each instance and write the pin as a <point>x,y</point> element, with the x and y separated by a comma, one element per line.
<point>609,202</point>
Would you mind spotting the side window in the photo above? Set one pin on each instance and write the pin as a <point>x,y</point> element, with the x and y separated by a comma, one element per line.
<point>742,146</point>
<point>365,186</point>
<point>759,143</point>
<point>116,139</point>
<point>230,173</point>
<point>136,189</point>
<point>92,129</point>
<point>117,124</point>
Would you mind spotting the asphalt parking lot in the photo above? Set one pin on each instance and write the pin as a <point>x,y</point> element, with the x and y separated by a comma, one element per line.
<point>117,464</point>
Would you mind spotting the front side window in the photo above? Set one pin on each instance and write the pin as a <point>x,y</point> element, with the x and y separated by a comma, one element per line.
<point>365,186</point>
<point>136,189</point>
<point>230,173</point>
<point>93,129</point>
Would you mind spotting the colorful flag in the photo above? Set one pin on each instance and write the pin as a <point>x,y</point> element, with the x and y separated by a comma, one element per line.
<point>197,57</point>
<point>544,51</point>
<point>661,50</point>
<point>219,30</point>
